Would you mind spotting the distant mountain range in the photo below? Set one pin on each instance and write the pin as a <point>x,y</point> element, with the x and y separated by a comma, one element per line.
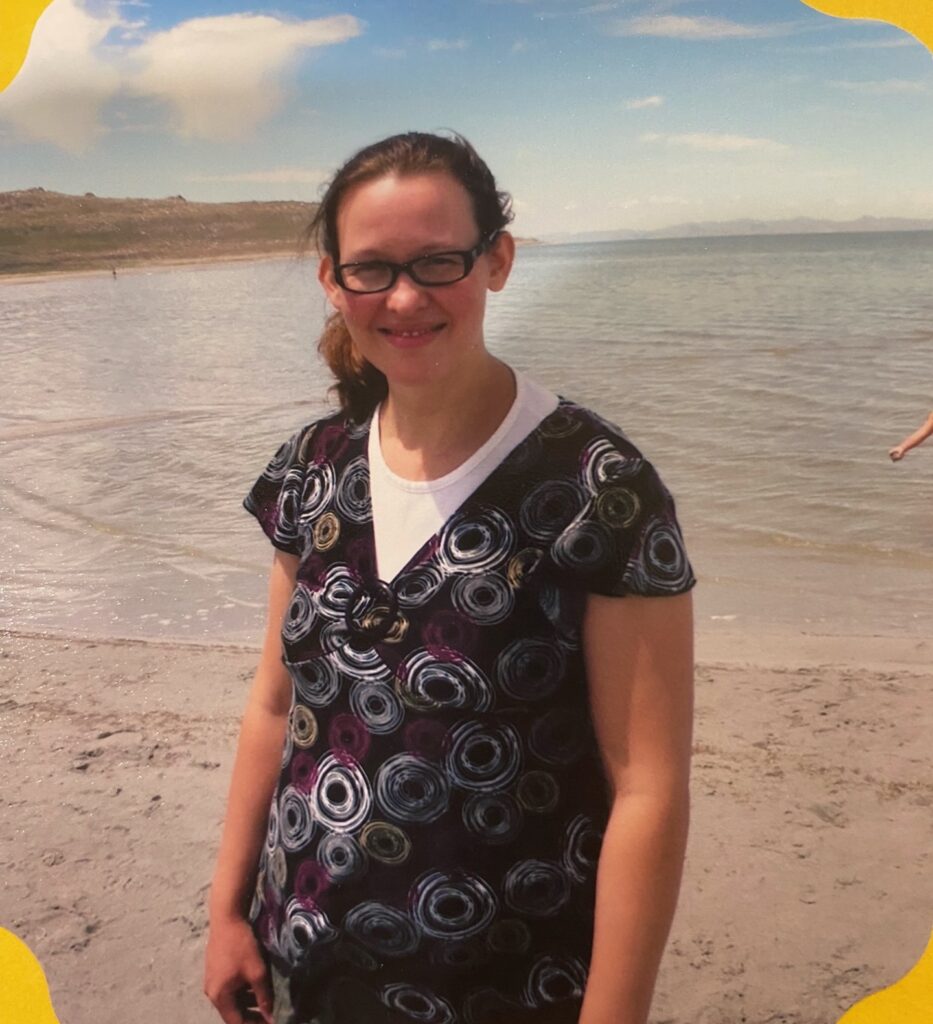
<point>731,228</point>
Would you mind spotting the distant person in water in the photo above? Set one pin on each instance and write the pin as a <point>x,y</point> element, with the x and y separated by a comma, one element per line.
<point>917,437</point>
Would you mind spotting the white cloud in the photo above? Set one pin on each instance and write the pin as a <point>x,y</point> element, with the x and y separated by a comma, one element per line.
<point>673,26</point>
<point>272,176</point>
<point>644,103</point>
<point>435,45</point>
<point>715,142</point>
<point>66,79</point>
<point>220,77</point>
<point>888,87</point>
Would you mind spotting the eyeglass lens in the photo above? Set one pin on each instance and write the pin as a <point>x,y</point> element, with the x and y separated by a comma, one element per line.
<point>374,276</point>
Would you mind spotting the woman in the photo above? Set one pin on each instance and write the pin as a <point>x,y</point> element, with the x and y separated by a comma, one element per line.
<point>460,792</point>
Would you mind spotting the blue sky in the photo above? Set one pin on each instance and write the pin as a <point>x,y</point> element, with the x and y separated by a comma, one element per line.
<point>595,115</point>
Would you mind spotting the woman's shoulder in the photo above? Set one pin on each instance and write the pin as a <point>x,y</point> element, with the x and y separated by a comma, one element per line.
<point>321,440</point>
<point>580,427</point>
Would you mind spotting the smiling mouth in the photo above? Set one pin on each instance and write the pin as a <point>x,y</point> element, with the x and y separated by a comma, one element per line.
<point>411,332</point>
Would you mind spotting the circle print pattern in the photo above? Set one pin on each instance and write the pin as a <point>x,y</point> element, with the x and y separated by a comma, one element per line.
<point>338,588</point>
<point>483,757</point>
<point>549,507</point>
<point>303,726</point>
<point>581,848</point>
<point>377,707</point>
<point>477,542</point>
<point>618,507</point>
<point>555,980</point>
<point>296,823</point>
<point>341,799</point>
<point>484,599</point>
<point>604,464</point>
<point>316,681</point>
<point>522,564</point>
<point>278,869</point>
<point>362,663</point>
<point>304,927</point>
<point>326,532</point>
<point>352,498</point>
<point>538,792</point>
<point>385,843</point>
<point>452,906</point>
<point>417,586</point>
<point>584,545</point>
<point>282,460</point>
<point>318,491</point>
<point>299,618</point>
<point>426,682</point>
<point>341,857</point>
<point>381,928</point>
<point>411,790</point>
<point>418,1004</point>
<point>663,564</point>
<point>530,669</point>
<point>492,817</point>
<point>536,888</point>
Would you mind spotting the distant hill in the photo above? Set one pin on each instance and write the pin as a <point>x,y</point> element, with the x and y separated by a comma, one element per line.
<point>732,228</point>
<point>43,231</point>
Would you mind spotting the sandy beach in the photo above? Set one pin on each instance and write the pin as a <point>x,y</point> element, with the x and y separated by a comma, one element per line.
<point>807,877</point>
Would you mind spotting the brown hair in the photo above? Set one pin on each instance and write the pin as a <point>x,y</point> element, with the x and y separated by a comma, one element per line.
<point>359,386</point>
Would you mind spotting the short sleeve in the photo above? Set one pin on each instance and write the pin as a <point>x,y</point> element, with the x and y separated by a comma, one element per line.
<point>275,498</point>
<point>625,538</point>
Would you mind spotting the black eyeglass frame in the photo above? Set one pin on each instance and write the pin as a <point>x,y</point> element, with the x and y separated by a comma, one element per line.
<point>469,257</point>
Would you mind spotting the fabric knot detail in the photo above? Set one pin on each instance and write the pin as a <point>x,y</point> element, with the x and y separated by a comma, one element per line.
<point>372,613</point>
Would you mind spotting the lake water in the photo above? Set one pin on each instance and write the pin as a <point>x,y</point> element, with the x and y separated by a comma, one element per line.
<point>765,377</point>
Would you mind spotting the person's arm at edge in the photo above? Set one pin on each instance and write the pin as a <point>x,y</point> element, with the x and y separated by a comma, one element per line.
<point>639,656</point>
<point>232,958</point>
<point>917,437</point>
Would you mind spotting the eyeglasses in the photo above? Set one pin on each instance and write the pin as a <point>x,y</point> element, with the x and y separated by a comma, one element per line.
<point>432,271</point>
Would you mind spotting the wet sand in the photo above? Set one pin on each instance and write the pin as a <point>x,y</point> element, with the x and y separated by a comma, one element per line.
<point>807,881</point>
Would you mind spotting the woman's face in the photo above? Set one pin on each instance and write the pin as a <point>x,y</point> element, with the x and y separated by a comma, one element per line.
<point>415,335</point>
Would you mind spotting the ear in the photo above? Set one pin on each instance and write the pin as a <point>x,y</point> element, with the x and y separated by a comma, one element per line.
<point>325,274</point>
<point>501,256</point>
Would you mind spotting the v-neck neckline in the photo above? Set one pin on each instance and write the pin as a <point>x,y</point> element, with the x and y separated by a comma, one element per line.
<point>468,501</point>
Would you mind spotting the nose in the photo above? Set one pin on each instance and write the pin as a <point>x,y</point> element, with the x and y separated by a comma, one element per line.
<point>405,294</point>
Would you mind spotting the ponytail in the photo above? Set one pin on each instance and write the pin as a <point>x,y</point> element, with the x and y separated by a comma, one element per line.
<point>359,386</point>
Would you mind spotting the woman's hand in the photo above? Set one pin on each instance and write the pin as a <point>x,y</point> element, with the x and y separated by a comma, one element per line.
<point>233,968</point>
<point>896,454</point>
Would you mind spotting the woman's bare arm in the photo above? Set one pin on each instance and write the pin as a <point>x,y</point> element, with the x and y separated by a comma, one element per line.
<point>917,437</point>
<point>639,655</point>
<point>233,960</point>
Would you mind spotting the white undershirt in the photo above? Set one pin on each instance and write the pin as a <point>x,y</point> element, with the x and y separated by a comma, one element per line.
<point>406,513</point>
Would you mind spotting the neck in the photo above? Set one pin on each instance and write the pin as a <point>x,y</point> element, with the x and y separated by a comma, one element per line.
<point>427,434</point>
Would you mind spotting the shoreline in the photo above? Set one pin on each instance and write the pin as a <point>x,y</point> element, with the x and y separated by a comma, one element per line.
<point>715,647</point>
<point>811,806</point>
<point>145,264</point>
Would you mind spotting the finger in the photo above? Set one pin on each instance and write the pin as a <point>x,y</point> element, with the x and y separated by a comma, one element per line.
<point>262,990</point>
<point>226,1006</point>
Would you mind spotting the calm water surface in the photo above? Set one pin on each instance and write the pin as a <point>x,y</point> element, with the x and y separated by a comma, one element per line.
<point>766,377</point>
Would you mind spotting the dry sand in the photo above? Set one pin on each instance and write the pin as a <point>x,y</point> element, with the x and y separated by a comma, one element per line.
<point>808,875</point>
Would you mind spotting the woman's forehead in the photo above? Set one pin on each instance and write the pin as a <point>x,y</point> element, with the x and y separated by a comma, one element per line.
<point>395,211</point>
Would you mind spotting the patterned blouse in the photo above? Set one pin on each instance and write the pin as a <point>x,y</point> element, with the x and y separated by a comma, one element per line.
<point>433,837</point>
